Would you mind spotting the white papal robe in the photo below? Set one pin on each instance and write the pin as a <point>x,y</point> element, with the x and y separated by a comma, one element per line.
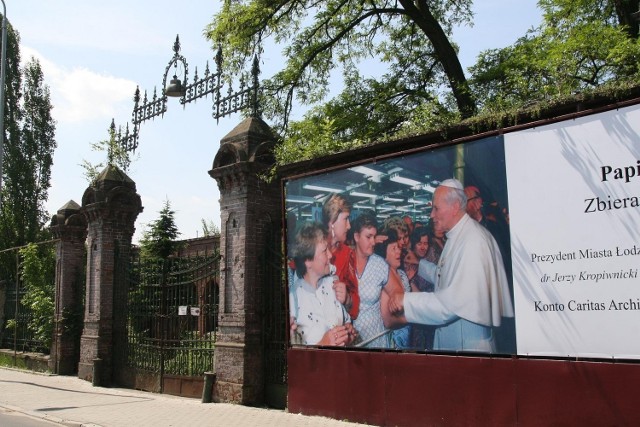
<point>471,292</point>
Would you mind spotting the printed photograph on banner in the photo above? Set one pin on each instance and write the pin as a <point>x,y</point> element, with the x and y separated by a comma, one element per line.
<point>574,198</point>
<point>406,253</point>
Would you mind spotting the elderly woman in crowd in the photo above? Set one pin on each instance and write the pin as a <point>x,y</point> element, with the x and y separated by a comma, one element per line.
<point>318,317</point>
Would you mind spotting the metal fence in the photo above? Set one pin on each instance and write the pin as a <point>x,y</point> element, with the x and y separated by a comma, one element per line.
<point>17,335</point>
<point>172,315</point>
<point>16,327</point>
<point>276,321</point>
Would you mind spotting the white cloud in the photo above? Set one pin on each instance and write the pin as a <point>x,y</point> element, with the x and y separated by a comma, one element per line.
<point>81,94</point>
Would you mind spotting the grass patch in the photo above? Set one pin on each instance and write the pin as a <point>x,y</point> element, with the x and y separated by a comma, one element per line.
<point>27,361</point>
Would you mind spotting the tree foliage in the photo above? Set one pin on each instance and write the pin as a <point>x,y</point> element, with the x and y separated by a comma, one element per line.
<point>116,155</point>
<point>27,162</point>
<point>210,228</point>
<point>159,239</point>
<point>410,37</point>
<point>581,45</point>
<point>28,146</point>
<point>38,144</point>
<point>38,278</point>
<point>401,72</point>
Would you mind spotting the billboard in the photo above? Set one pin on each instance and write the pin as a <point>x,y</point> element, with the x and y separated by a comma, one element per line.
<point>544,262</point>
<point>574,192</point>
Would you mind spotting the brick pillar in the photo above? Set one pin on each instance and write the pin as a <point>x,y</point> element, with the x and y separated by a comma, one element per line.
<point>111,206</point>
<point>70,227</point>
<point>250,211</point>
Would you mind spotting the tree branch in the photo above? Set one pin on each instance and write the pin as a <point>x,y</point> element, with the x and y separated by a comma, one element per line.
<point>292,84</point>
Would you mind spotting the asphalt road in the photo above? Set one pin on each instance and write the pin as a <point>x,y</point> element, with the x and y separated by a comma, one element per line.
<point>9,418</point>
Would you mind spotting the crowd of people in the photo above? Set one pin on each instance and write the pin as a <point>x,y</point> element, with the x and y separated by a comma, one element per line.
<point>401,284</point>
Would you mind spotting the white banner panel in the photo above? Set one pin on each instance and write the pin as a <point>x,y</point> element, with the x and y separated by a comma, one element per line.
<point>574,198</point>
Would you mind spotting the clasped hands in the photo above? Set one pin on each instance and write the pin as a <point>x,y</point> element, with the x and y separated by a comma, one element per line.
<point>339,336</point>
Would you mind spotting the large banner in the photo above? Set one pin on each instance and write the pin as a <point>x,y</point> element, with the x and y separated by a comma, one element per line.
<point>357,234</point>
<point>544,261</point>
<point>574,193</point>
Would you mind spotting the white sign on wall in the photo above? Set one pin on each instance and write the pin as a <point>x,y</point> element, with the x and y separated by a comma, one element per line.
<point>574,200</point>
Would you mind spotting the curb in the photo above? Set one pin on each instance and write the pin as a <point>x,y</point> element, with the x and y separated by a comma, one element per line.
<point>50,418</point>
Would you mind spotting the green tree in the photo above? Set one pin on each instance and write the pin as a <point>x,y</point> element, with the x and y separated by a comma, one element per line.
<point>581,45</point>
<point>11,139</point>
<point>28,146</point>
<point>116,154</point>
<point>35,156</point>
<point>157,244</point>
<point>336,125</point>
<point>209,228</point>
<point>159,240</point>
<point>411,37</point>
<point>38,277</point>
<point>13,94</point>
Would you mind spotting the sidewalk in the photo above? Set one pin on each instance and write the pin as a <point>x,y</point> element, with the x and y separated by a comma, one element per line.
<point>73,402</point>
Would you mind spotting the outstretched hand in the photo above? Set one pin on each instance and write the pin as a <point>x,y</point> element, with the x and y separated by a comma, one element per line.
<point>380,238</point>
<point>396,303</point>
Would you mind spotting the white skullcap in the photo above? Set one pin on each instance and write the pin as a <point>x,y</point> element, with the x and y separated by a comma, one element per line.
<point>452,183</point>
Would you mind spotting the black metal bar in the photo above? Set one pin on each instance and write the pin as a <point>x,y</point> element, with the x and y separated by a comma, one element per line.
<point>163,327</point>
<point>255,102</point>
<point>150,109</point>
<point>15,330</point>
<point>201,88</point>
<point>210,83</point>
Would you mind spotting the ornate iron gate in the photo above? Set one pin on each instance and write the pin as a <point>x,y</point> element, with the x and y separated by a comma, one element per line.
<point>171,323</point>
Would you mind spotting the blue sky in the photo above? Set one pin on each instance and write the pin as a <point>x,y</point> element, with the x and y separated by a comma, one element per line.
<point>94,54</point>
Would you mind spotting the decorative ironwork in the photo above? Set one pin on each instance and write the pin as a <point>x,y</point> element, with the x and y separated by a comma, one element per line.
<point>210,83</point>
<point>246,97</point>
<point>149,109</point>
<point>127,140</point>
<point>174,61</point>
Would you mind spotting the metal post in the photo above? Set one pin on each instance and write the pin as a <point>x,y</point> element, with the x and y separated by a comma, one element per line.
<point>163,318</point>
<point>207,387</point>
<point>3,67</point>
<point>17,307</point>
